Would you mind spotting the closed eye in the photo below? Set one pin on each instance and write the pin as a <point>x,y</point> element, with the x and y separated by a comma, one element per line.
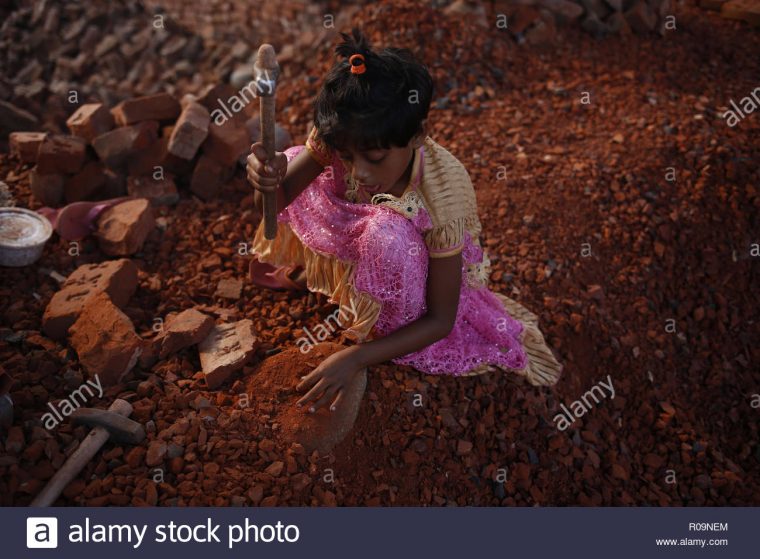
<point>347,157</point>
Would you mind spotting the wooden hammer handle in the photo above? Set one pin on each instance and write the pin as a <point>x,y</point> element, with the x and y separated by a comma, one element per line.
<point>267,139</point>
<point>266,64</point>
<point>77,461</point>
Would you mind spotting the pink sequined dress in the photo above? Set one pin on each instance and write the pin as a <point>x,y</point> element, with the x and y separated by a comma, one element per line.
<point>370,257</point>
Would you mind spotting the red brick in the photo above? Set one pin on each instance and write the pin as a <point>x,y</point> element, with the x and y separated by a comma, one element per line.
<point>123,228</point>
<point>145,161</point>
<point>215,96</point>
<point>61,154</point>
<point>85,183</point>
<point>190,131</point>
<point>117,278</point>
<point>161,192</point>
<point>161,106</point>
<point>25,145</point>
<point>228,142</point>
<point>227,349</point>
<point>90,120</point>
<point>116,146</point>
<point>182,330</point>
<point>105,340</point>
<point>208,177</point>
<point>47,189</point>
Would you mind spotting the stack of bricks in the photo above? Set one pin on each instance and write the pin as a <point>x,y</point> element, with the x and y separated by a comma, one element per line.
<point>143,147</point>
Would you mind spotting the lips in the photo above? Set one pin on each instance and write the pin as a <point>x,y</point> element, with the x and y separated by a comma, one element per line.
<point>369,188</point>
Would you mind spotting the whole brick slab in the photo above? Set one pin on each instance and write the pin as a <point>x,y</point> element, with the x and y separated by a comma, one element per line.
<point>190,131</point>
<point>161,106</point>
<point>105,340</point>
<point>90,120</point>
<point>116,146</point>
<point>61,154</point>
<point>117,278</point>
<point>226,349</point>
<point>25,145</point>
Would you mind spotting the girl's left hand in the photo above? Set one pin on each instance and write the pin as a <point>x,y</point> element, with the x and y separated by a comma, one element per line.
<point>330,379</point>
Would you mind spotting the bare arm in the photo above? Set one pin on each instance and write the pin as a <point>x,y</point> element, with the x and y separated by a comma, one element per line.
<point>444,277</point>
<point>334,373</point>
<point>301,171</point>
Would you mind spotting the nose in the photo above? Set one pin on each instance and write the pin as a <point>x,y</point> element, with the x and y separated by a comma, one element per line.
<point>361,173</point>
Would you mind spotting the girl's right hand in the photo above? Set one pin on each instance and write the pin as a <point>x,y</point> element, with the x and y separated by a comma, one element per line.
<point>265,175</point>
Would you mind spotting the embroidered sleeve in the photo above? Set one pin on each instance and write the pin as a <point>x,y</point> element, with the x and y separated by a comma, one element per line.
<point>447,239</point>
<point>317,148</point>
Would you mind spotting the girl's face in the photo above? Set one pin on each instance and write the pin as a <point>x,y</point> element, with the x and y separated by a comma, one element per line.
<point>382,170</point>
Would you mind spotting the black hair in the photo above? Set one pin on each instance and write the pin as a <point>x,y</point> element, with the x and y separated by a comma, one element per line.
<point>381,107</point>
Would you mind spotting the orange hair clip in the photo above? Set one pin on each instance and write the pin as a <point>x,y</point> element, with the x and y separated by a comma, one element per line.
<point>357,67</point>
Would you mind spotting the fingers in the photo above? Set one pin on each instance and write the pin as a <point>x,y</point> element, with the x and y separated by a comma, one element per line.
<point>258,151</point>
<point>336,401</point>
<point>269,183</point>
<point>312,394</point>
<point>309,380</point>
<point>326,397</point>
<point>265,167</point>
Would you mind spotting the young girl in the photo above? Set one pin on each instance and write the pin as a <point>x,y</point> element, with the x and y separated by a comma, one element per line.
<point>383,221</point>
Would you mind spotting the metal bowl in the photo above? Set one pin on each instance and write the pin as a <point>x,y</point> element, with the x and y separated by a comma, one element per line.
<point>23,234</point>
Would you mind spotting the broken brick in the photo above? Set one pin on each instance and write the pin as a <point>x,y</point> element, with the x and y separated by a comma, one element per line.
<point>226,349</point>
<point>116,146</point>
<point>162,192</point>
<point>105,340</point>
<point>161,106</point>
<point>61,154</point>
<point>190,131</point>
<point>25,145</point>
<point>123,228</point>
<point>90,120</point>
<point>182,330</point>
<point>229,288</point>
<point>117,278</point>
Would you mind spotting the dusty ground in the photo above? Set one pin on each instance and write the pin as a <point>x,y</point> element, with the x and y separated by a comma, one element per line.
<point>645,279</point>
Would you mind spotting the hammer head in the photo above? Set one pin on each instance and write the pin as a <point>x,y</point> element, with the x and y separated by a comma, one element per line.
<point>121,429</point>
<point>266,71</point>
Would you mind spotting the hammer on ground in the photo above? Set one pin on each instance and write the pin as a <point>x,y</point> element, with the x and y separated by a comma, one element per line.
<point>265,72</point>
<point>113,423</point>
